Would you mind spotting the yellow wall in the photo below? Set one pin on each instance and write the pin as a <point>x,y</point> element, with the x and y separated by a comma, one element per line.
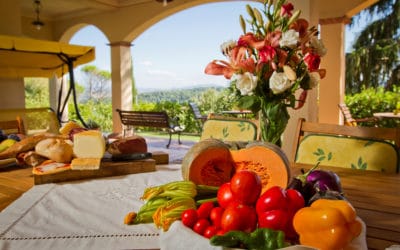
<point>331,90</point>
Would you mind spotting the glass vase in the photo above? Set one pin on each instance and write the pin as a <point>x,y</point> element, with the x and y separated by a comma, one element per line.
<point>274,118</point>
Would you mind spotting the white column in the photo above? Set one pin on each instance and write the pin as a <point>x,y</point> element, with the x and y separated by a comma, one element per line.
<point>121,79</point>
<point>332,87</point>
<point>54,89</point>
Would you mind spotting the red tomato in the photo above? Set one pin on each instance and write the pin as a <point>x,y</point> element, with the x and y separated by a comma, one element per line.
<point>210,231</point>
<point>203,212</point>
<point>274,219</point>
<point>220,232</point>
<point>189,217</point>
<point>246,186</point>
<point>296,200</point>
<point>200,226</point>
<point>273,198</point>
<point>239,217</point>
<point>224,195</point>
<point>215,216</point>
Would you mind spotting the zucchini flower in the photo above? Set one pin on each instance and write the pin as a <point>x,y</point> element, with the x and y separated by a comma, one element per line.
<point>145,214</point>
<point>171,211</point>
<point>171,190</point>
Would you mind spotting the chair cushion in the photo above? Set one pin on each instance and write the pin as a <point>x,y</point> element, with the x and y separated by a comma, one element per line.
<point>229,130</point>
<point>348,152</point>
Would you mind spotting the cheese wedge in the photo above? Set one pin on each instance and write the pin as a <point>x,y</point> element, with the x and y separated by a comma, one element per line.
<point>89,144</point>
<point>85,163</point>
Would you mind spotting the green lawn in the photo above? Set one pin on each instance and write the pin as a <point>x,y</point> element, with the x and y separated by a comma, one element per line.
<point>166,136</point>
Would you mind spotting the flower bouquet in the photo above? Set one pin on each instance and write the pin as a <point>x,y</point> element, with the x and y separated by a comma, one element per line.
<point>267,66</point>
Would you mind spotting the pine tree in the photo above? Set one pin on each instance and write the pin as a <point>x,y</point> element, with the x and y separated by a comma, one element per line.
<point>375,59</point>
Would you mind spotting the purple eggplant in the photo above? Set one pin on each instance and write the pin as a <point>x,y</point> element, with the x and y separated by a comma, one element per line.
<point>324,180</point>
<point>301,184</point>
<point>328,194</point>
<point>315,181</point>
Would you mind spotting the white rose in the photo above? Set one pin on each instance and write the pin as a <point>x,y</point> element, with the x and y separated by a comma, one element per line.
<point>314,79</point>
<point>289,39</point>
<point>246,83</point>
<point>279,82</point>
<point>318,46</point>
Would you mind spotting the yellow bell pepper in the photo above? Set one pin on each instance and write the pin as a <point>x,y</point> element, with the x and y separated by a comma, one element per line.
<point>327,224</point>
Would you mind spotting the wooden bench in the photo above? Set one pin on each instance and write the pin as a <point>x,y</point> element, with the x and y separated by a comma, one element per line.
<point>150,119</point>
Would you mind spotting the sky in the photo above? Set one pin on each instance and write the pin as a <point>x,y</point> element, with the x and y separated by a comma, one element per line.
<point>174,52</point>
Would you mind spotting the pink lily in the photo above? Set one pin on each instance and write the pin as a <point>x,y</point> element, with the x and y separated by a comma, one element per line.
<point>219,67</point>
<point>312,61</point>
<point>302,100</point>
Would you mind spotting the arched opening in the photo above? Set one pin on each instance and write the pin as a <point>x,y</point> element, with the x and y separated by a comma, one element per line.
<point>174,52</point>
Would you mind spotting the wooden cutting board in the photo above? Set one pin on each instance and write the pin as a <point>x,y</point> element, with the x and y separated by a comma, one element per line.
<point>160,157</point>
<point>107,168</point>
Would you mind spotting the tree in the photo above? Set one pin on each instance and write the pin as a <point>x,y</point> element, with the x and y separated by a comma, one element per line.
<point>375,59</point>
<point>98,84</point>
<point>37,92</point>
<point>134,89</point>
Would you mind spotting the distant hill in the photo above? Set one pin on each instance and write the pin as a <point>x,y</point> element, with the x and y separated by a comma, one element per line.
<point>173,95</point>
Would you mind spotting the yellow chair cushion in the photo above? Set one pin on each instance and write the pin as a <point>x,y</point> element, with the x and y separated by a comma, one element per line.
<point>347,152</point>
<point>229,130</point>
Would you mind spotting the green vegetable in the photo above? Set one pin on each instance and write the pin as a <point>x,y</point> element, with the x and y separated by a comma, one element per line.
<point>145,214</point>
<point>259,239</point>
<point>165,203</point>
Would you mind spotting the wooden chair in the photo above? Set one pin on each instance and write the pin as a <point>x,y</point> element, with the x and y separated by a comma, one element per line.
<point>350,121</point>
<point>13,126</point>
<point>197,114</point>
<point>35,120</point>
<point>367,148</point>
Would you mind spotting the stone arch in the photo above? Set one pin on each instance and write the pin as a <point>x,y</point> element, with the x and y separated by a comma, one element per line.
<point>159,17</point>
<point>73,29</point>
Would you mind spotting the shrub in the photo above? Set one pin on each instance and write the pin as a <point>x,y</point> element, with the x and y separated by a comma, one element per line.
<point>372,100</point>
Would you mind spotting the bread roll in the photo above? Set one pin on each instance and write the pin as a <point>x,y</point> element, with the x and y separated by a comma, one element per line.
<point>57,150</point>
<point>128,145</point>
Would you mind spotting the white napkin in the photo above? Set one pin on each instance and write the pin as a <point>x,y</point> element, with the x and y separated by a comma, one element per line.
<point>180,237</point>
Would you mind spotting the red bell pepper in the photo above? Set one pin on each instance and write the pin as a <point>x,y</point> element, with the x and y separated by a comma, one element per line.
<point>276,208</point>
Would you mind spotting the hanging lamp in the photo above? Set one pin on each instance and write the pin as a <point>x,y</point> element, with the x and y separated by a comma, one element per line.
<point>37,23</point>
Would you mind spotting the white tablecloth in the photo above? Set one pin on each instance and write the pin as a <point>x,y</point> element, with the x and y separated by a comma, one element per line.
<point>84,214</point>
<point>89,215</point>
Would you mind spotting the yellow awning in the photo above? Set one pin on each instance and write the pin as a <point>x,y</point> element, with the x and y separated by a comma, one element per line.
<point>24,57</point>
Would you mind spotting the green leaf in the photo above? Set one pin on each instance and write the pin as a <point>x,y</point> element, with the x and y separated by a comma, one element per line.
<point>250,102</point>
<point>329,156</point>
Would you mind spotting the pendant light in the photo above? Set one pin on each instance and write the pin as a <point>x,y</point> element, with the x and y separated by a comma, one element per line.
<point>37,23</point>
<point>165,2</point>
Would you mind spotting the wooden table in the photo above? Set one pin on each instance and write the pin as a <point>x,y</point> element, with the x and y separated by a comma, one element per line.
<point>376,198</point>
<point>387,115</point>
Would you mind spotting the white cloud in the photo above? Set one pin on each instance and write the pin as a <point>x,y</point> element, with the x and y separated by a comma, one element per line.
<point>146,63</point>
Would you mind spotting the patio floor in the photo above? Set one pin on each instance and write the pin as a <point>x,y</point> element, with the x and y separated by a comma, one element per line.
<point>175,151</point>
